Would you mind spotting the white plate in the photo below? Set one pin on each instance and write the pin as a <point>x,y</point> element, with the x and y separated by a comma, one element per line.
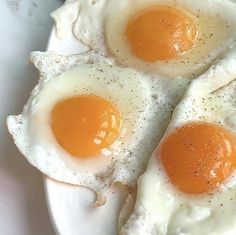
<point>70,206</point>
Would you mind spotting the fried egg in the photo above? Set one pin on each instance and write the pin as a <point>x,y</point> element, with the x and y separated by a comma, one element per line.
<point>174,38</point>
<point>87,120</point>
<point>189,186</point>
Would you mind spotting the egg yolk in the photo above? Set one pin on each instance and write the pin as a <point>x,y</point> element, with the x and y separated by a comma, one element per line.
<point>199,156</point>
<point>161,33</point>
<point>83,125</point>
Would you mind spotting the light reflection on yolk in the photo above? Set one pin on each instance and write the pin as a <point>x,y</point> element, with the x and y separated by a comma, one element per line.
<point>83,125</point>
<point>161,33</point>
<point>199,156</point>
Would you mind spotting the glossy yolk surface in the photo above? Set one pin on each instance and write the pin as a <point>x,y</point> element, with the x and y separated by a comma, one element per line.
<point>199,156</point>
<point>84,125</point>
<point>161,33</point>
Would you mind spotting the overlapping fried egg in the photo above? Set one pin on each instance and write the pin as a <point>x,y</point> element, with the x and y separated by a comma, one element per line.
<point>171,37</point>
<point>189,185</point>
<point>87,120</point>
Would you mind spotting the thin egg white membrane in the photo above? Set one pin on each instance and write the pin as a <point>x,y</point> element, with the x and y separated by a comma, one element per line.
<point>101,24</point>
<point>163,209</point>
<point>145,103</point>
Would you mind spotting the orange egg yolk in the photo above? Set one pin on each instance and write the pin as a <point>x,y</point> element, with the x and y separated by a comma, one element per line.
<point>161,33</point>
<point>83,125</point>
<point>198,157</point>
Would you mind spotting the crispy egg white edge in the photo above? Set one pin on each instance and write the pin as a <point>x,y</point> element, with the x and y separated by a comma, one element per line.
<point>219,82</point>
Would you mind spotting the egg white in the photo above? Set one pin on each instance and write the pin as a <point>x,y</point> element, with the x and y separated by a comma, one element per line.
<point>101,25</point>
<point>145,104</point>
<point>163,209</point>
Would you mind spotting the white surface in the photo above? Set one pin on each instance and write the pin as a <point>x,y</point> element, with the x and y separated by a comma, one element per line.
<point>73,213</point>
<point>24,26</point>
